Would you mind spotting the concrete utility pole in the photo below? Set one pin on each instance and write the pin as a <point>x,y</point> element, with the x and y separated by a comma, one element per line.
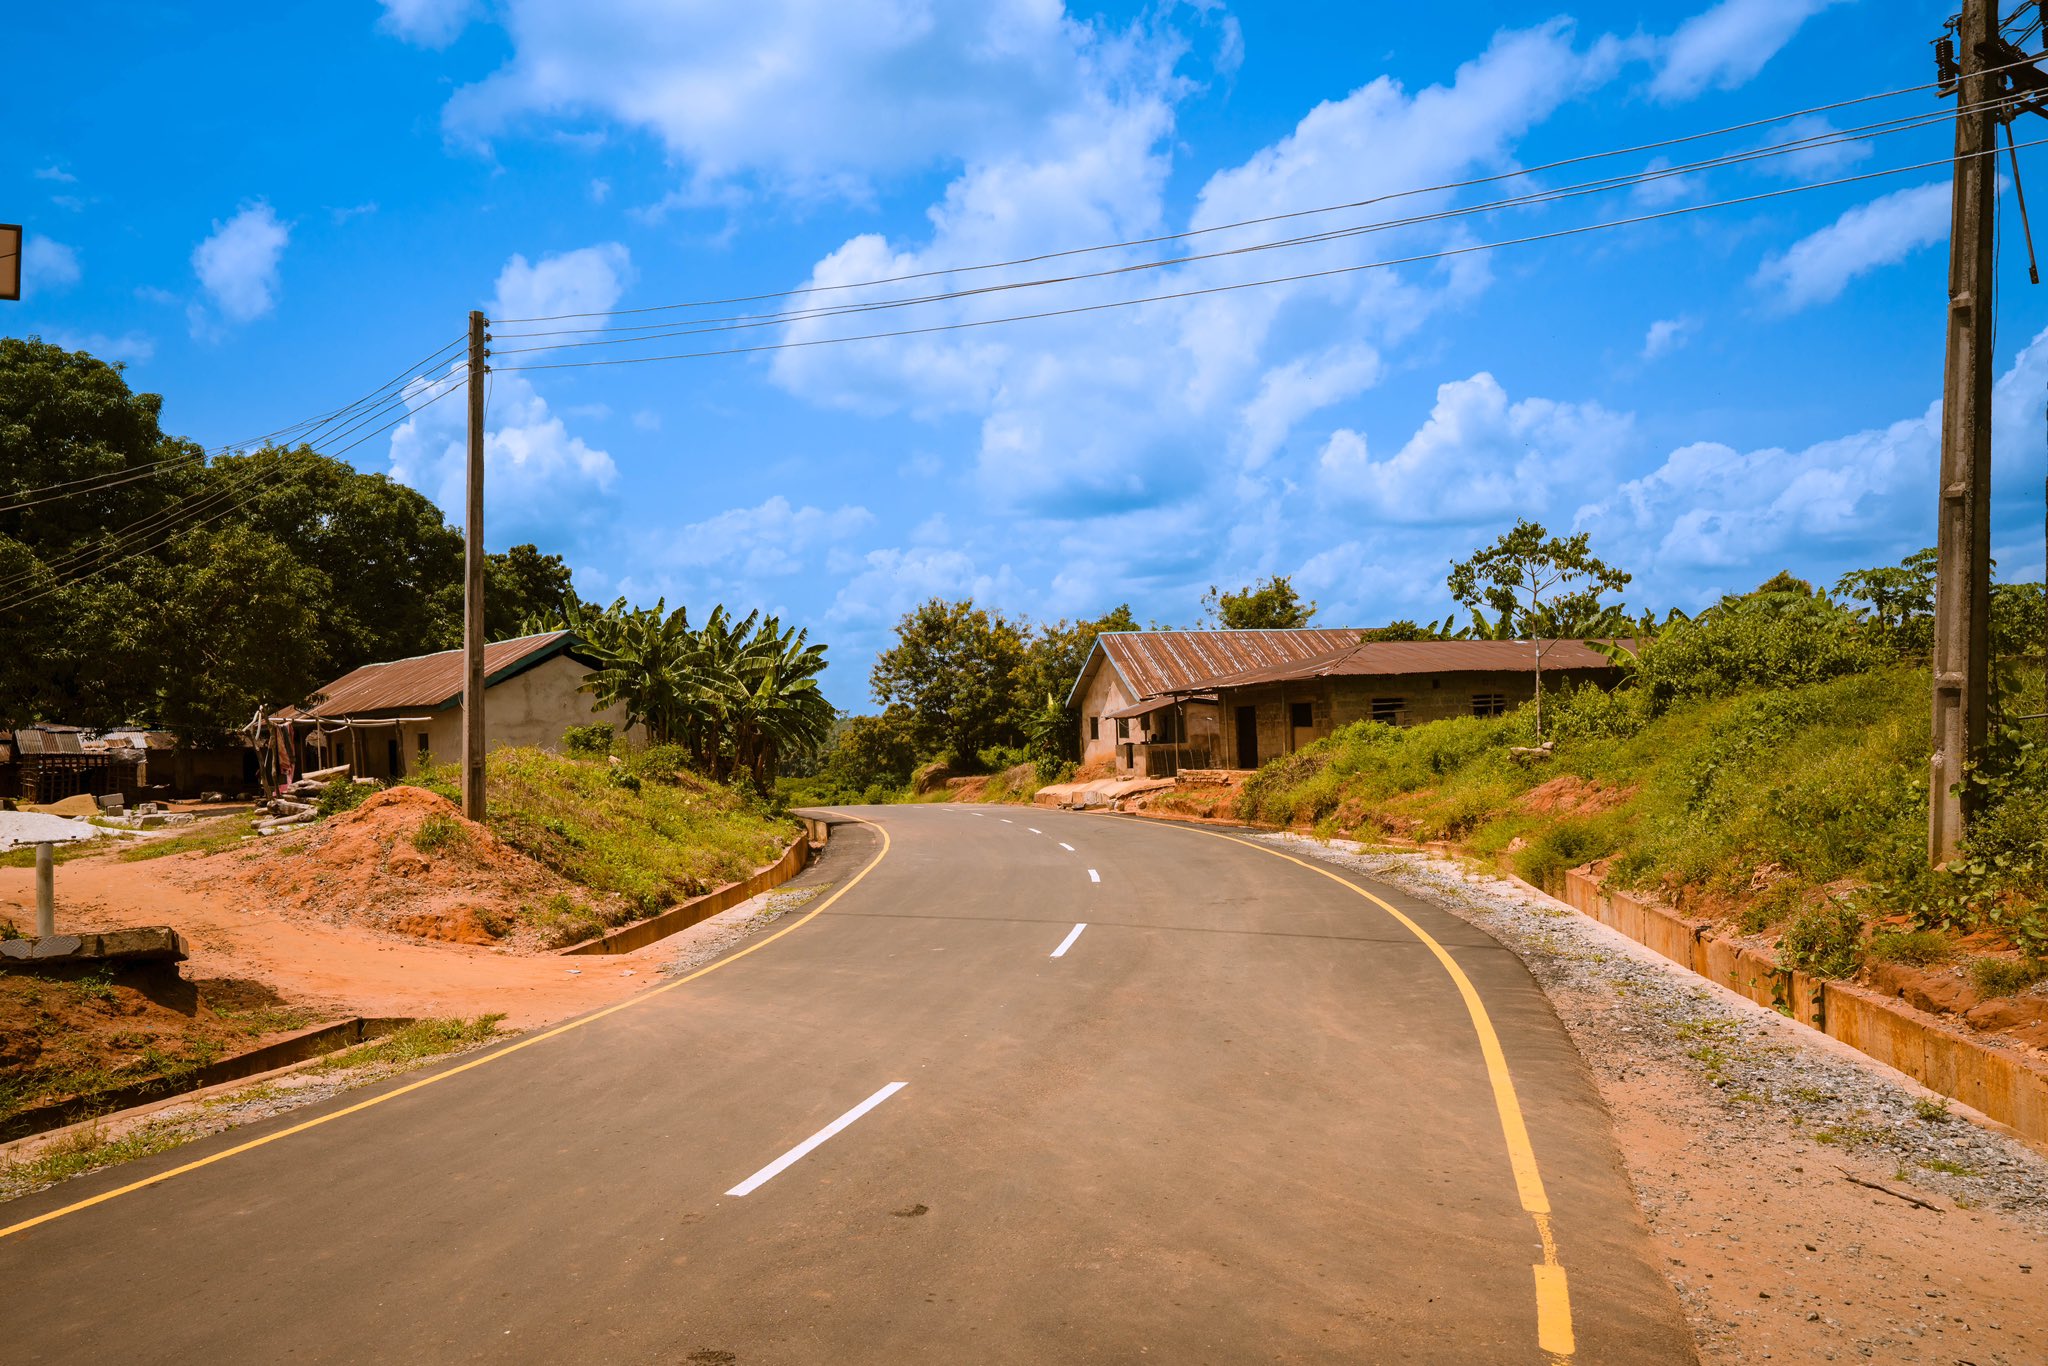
<point>473,584</point>
<point>46,890</point>
<point>1962,575</point>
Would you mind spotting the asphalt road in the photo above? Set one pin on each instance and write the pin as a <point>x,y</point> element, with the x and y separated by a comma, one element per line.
<point>1247,1115</point>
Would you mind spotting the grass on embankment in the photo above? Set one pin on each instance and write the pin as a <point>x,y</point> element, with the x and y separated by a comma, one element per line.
<point>1756,805</point>
<point>645,830</point>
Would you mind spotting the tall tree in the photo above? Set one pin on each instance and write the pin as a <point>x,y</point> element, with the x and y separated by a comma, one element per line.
<point>521,584</point>
<point>1053,658</point>
<point>1539,587</point>
<point>1272,605</point>
<point>954,670</point>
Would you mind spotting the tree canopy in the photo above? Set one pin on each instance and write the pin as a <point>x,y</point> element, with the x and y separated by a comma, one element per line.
<point>1270,606</point>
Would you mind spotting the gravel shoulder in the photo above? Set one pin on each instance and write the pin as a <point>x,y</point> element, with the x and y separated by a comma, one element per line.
<point>1757,1146</point>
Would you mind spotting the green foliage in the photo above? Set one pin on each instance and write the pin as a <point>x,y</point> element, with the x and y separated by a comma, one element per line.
<point>593,741</point>
<point>439,832</point>
<point>522,585</point>
<point>953,678</point>
<point>1917,947</point>
<point>737,693</point>
<point>871,751</point>
<point>414,1042</point>
<point>1561,847</point>
<point>673,836</point>
<point>2006,976</point>
<point>1271,606</point>
<point>1767,639</point>
<point>1826,941</point>
<point>344,794</point>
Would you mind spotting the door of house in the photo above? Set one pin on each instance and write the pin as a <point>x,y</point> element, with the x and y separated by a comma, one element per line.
<point>1247,737</point>
<point>1301,724</point>
<point>396,765</point>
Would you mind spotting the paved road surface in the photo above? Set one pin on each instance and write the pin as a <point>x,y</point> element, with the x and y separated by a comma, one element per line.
<point>1244,1116</point>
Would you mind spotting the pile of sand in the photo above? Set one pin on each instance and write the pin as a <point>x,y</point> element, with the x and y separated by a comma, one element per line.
<point>405,861</point>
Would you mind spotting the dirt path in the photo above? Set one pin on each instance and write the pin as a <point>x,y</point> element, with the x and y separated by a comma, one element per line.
<point>1745,1135</point>
<point>342,967</point>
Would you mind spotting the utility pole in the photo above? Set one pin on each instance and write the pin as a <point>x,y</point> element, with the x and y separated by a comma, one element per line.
<point>1962,574</point>
<point>473,583</point>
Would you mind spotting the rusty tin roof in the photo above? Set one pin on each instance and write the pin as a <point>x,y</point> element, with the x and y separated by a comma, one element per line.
<point>429,682</point>
<point>1384,658</point>
<point>1152,662</point>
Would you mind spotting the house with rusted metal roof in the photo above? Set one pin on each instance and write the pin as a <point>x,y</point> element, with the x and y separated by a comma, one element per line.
<point>1265,712</point>
<point>1137,694</point>
<point>384,718</point>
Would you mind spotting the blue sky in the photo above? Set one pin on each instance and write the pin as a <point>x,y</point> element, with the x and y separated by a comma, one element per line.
<point>267,210</point>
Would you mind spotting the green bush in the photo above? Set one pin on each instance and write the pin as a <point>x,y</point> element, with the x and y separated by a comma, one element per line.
<point>1763,640</point>
<point>1001,758</point>
<point>1590,712</point>
<point>2006,976</point>
<point>1562,847</point>
<point>593,741</point>
<point>344,795</point>
<point>1918,947</point>
<point>439,831</point>
<point>668,764</point>
<point>1826,941</point>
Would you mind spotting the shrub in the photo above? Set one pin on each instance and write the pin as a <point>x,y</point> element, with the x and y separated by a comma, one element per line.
<point>1001,758</point>
<point>659,764</point>
<point>593,741</point>
<point>1826,941</point>
<point>344,795</point>
<point>1764,640</point>
<point>1561,847</point>
<point>2006,976</point>
<point>439,831</point>
<point>1590,712</point>
<point>1919,947</point>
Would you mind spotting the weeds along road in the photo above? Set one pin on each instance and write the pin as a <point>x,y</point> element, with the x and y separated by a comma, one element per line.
<point>1246,1114</point>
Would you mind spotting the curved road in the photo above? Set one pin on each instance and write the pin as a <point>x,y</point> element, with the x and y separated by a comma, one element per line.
<point>1248,1114</point>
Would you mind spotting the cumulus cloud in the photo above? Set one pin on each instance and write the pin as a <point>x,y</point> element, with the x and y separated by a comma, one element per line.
<point>1710,510</point>
<point>1665,336</point>
<point>538,477</point>
<point>1480,458</point>
<point>1825,158</point>
<point>134,347</point>
<point>56,173</point>
<point>1291,391</point>
<point>769,539</point>
<point>1728,44</point>
<point>428,23</point>
<point>587,280</point>
<point>1885,231</point>
<point>814,93</point>
<point>238,265</point>
<point>47,265</point>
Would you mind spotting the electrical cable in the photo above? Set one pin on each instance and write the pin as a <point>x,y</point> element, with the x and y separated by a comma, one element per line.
<point>1275,280</point>
<point>742,322</point>
<point>1271,218</point>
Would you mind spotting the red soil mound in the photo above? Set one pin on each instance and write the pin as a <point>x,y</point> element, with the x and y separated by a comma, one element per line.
<point>406,861</point>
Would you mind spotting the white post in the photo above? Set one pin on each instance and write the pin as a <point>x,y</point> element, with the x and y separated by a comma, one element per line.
<point>46,891</point>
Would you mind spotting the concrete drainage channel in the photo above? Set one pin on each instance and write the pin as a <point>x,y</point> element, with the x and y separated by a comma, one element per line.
<point>307,1043</point>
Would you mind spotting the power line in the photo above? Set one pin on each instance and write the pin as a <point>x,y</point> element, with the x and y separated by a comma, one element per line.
<point>1268,218</point>
<point>743,322</point>
<point>181,509</point>
<point>113,478</point>
<point>258,487</point>
<point>1254,284</point>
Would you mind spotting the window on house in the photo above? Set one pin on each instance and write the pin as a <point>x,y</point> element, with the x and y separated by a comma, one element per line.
<point>1094,728</point>
<point>1123,728</point>
<point>1301,715</point>
<point>1489,703</point>
<point>1390,711</point>
<point>423,744</point>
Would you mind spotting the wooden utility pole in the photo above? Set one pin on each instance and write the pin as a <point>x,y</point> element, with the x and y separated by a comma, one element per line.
<point>473,584</point>
<point>1962,574</point>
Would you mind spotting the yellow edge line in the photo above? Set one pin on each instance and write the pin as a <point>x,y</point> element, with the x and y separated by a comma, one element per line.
<point>507,1052</point>
<point>1553,1299</point>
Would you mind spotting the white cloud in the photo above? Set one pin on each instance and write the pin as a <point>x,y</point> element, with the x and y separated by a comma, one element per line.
<point>237,265</point>
<point>1709,509</point>
<point>1667,335</point>
<point>771,538</point>
<point>538,478</point>
<point>889,582</point>
<point>1291,391</point>
<point>1821,161</point>
<point>1479,458</point>
<point>47,265</point>
<point>1665,190</point>
<point>1728,44</point>
<point>429,23</point>
<point>1883,232</point>
<point>812,93</point>
<point>56,173</point>
<point>587,280</point>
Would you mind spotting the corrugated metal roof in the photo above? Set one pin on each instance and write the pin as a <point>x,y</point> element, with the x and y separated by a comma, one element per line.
<point>1153,662</point>
<point>1380,658</point>
<point>1152,704</point>
<point>36,740</point>
<point>427,682</point>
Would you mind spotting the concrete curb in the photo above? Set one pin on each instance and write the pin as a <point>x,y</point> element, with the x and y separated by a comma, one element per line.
<point>2003,1085</point>
<point>676,919</point>
<point>121,1100</point>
